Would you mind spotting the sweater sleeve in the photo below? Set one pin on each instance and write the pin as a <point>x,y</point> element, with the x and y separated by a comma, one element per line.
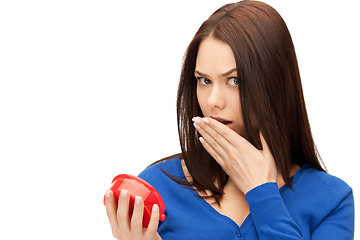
<point>270,215</point>
<point>339,224</point>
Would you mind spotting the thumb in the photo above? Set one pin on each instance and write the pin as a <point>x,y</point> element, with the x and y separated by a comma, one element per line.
<point>158,237</point>
<point>266,150</point>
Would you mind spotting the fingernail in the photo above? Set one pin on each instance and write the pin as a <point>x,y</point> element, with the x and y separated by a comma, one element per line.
<point>201,140</point>
<point>206,120</point>
<point>155,208</point>
<point>196,126</point>
<point>196,120</point>
<point>137,200</point>
<point>123,193</point>
<point>107,194</point>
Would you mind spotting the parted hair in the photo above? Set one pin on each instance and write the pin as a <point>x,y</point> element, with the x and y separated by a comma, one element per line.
<point>270,91</point>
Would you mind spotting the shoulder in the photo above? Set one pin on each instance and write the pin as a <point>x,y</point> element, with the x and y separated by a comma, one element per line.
<point>318,199</point>
<point>160,175</point>
<point>324,183</point>
<point>155,174</point>
<point>168,165</point>
<point>318,194</point>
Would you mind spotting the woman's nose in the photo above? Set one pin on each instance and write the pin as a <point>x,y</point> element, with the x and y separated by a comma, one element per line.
<point>216,98</point>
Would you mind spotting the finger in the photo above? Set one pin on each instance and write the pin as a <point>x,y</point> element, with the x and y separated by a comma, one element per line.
<point>154,221</point>
<point>123,211</point>
<point>265,147</point>
<point>212,152</point>
<point>110,205</point>
<point>237,141</point>
<point>158,237</point>
<point>226,132</point>
<point>212,138</point>
<point>137,217</point>
<point>266,150</point>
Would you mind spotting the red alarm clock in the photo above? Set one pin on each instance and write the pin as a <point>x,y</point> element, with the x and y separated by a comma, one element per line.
<point>138,187</point>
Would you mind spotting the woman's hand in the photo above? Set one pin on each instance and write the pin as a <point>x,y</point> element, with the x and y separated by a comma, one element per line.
<point>246,166</point>
<point>122,227</point>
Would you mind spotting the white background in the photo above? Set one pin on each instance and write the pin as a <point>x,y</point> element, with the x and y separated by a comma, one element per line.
<point>88,91</point>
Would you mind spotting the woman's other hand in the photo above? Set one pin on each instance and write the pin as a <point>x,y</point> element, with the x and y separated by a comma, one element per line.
<point>246,166</point>
<point>124,228</point>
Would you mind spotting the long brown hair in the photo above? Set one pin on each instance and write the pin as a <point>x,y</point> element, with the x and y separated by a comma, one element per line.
<point>270,91</point>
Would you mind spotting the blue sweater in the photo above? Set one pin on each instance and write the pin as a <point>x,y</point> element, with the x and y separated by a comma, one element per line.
<point>320,207</point>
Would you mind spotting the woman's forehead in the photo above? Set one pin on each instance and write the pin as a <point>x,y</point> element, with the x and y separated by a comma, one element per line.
<point>214,56</point>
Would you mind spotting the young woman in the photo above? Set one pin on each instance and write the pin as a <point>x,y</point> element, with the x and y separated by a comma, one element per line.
<point>249,168</point>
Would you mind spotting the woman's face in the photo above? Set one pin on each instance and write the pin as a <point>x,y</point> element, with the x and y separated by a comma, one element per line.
<point>217,84</point>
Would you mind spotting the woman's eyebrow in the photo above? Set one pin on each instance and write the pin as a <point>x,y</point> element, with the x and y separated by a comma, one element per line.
<point>222,75</point>
<point>201,74</point>
<point>228,72</point>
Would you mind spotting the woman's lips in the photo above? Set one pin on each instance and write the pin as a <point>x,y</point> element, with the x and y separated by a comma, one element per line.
<point>222,120</point>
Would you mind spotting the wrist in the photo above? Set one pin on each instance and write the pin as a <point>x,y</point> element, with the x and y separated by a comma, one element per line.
<point>258,184</point>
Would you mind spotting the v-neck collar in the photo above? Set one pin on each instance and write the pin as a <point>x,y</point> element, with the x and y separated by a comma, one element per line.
<point>246,223</point>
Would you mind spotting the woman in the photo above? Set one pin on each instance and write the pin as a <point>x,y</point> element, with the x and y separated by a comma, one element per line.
<point>249,168</point>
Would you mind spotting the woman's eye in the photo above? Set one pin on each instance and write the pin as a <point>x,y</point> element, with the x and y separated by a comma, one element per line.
<point>203,81</point>
<point>233,81</point>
